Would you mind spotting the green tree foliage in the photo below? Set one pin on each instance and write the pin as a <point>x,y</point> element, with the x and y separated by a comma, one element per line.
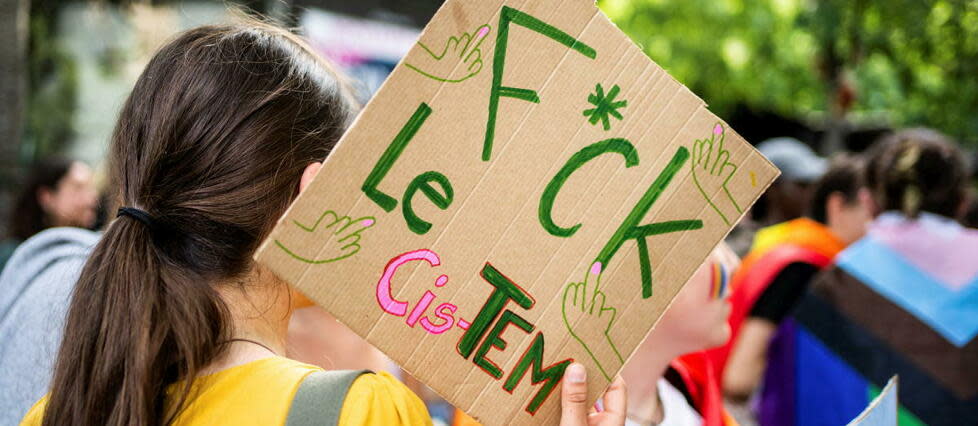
<point>910,62</point>
<point>52,87</point>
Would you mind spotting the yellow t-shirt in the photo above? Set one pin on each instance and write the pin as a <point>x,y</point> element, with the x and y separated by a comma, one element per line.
<point>260,393</point>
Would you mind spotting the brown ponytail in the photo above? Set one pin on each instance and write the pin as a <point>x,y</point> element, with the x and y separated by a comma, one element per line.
<point>211,143</point>
<point>917,170</point>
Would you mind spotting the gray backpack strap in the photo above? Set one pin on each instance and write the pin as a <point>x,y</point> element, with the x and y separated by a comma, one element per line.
<point>320,397</point>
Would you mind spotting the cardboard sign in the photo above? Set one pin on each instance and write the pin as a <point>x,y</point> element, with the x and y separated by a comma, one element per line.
<point>526,189</point>
<point>882,411</point>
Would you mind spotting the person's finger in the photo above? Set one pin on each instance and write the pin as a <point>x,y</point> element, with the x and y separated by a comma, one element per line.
<point>697,152</point>
<point>613,404</point>
<point>573,396</point>
<point>477,64</point>
<point>451,45</point>
<point>567,292</point>
<point>355,226</point>
<point>615,400</point>
<point>480,35</point>
<point>722,159</point>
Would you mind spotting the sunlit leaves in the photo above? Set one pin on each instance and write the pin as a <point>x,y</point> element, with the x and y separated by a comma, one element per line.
<point>911,62</point>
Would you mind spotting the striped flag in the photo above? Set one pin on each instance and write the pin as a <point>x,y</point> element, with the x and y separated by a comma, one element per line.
<point>901,301</point>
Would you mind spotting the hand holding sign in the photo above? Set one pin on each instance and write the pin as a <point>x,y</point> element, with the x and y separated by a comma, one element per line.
<point>497,334</point>
<point>458,51</point>
<point>574,407</point>
<point>712,170</point>
<point>344,232</point>
<point>583,304</point>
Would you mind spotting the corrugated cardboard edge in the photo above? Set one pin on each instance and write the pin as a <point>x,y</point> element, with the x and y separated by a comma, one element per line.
<point>399,68</point>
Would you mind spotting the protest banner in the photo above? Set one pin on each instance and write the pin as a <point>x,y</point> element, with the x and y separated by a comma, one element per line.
<point>526,189</point>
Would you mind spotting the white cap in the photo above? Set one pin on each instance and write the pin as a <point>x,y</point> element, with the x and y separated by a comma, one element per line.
<point>795,159</point>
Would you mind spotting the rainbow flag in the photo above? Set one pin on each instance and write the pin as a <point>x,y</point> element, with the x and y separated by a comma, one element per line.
<point>775,247</point>
<point>719,275</point>
<point>901,301</point>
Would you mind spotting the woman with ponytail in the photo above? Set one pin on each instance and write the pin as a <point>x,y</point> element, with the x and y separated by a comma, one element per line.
<point>903,300</point>
<point>171,322</point>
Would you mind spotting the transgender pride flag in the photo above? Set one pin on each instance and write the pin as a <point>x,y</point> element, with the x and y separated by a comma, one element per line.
<point>901,301</point>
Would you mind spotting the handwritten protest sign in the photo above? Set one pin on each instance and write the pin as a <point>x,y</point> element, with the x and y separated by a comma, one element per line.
<point>525,190</point>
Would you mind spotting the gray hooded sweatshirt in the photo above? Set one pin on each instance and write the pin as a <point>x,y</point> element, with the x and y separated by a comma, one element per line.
<point>35,289</point>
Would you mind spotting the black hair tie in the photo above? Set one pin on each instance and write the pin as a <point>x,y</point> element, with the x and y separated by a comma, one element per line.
<point>137,214</point>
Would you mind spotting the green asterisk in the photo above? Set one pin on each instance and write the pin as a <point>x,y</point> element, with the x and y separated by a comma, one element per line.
<point>604,106</point>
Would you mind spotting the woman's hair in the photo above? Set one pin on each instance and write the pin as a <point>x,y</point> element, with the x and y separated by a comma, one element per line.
<point>212,143</point>
<point>917,170</point>
<point>844,177</point>
<point>970,216</point>
<point>28,217</point>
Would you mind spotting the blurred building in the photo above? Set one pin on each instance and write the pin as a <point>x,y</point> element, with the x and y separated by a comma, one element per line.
<point>109,45</point>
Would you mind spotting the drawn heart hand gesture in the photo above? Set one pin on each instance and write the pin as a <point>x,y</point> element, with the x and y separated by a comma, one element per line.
<point>459,52</point>
<point>344,232</point>
<point>582,305</point>
<point>712,171</point>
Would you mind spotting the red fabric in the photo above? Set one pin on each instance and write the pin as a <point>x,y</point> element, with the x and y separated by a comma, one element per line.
<point>699,378</point>
<point>749,283</point>
<point>801,240</point>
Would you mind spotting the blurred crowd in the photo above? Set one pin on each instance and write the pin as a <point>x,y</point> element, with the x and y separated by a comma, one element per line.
<point>848,271</point>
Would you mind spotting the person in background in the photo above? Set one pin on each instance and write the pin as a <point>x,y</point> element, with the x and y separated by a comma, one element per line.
<point>788,197</point>
<point>669,384</point>
<point>171,320</point>
<point>316,337</point>
<point>48,232</point>
<point>783,260</point>
<point>902,300</point>
<point>35,288</point>
<point>969,217</point>
<point>668,381</point>
<point>58,192</point>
